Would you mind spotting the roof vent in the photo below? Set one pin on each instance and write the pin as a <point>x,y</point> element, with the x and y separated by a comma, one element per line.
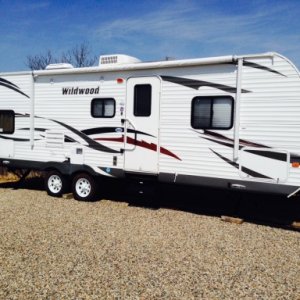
<point>59,66</point>
<point>116,59</point>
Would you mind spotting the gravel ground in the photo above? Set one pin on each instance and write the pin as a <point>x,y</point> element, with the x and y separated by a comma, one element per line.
<point>64,249</point>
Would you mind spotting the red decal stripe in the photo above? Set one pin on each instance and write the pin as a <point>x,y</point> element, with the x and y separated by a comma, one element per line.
<point>169,153</point>
<point>142,144</point>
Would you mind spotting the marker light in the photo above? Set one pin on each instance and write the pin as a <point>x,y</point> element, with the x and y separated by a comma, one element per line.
<point>120,80</point>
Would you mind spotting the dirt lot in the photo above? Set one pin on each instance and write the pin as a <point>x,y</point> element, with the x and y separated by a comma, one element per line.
<point>64,249</point>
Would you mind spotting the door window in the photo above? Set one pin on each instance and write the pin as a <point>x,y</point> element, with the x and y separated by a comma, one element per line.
<point>142,100</point>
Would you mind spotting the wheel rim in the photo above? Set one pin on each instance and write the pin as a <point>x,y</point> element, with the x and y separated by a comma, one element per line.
<point>83,187</point>
<point>55,184</point>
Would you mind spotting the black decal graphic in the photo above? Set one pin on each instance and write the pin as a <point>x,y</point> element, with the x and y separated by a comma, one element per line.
<point>18,115</point>
<point>8,82</point>
<point>94,144</point>
<point>245,170</point>
<point>196,84</point>
<point>99,130</point>
<point>227,144</point>
<point>270,154</point>
<point>35,129</point>
<point>91,143</point>
<point>16,139</point>
<point>10,85</point>
<point>223,140</point>
<point>68,139</point>
<point>261,67</point>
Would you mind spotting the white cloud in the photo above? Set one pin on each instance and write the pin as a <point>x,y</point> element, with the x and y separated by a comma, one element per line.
<point>186,28</point>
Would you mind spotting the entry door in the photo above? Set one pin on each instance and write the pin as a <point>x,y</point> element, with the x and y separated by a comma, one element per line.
<point>141,125</point>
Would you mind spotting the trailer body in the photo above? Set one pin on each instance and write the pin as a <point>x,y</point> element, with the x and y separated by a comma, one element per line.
<point>227,122</point>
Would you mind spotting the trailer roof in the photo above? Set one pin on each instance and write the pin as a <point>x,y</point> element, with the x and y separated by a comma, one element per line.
<point>148,65</point>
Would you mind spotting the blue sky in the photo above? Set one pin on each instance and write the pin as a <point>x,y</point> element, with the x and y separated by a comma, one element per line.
<point>149,30</point>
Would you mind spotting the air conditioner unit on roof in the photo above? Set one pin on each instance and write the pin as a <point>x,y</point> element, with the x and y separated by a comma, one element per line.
<point>117,59</point>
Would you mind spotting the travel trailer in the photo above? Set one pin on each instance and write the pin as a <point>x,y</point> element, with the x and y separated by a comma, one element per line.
<point>227,122</point>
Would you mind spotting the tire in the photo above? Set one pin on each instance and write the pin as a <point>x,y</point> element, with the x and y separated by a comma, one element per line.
<point>55,183</point>
<point>83,187</point>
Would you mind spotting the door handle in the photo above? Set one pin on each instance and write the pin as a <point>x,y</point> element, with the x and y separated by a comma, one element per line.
<point>125,122</point>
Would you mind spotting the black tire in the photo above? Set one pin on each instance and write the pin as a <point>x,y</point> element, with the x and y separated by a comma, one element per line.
<point>84,187</point>
<point>56,184</point>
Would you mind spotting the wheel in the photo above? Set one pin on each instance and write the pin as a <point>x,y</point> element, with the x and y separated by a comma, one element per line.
<point>83,187</point>
<point>56,183</point>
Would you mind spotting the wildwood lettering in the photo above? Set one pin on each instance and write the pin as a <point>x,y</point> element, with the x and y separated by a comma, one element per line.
<point>80,91</point>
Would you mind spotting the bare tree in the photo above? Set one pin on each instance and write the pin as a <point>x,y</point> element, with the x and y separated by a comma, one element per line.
<point>40,61</point>
<point>79,56</point>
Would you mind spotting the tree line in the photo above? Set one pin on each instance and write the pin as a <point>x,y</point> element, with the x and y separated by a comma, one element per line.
<point>79,56</point>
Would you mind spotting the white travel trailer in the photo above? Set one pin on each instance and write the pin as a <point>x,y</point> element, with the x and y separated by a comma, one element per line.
<point>228,122</point>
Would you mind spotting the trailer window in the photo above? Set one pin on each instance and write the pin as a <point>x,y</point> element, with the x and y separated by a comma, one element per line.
<point>7,121</point>
<point>142,100</point>
<point>103,108</point>
<point>212,112</point>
